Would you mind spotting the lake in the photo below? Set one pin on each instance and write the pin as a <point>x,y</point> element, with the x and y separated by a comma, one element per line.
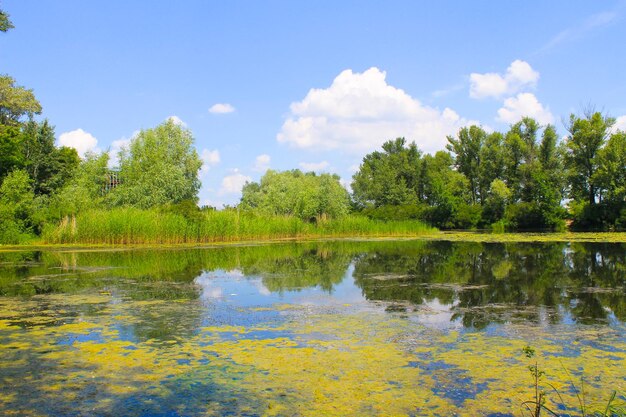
<point>312,329</point>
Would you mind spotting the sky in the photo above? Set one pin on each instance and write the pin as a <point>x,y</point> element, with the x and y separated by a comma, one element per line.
<point>311,85</point>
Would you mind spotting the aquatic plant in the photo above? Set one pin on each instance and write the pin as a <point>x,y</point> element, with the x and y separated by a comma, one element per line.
<point>538,402</point>
<point>126,225</point>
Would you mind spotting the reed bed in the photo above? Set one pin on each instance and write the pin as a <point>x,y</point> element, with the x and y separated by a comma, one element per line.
<point>125,226</point>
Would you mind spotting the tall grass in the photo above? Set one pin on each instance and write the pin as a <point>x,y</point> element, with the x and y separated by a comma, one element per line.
<point>134,226</point>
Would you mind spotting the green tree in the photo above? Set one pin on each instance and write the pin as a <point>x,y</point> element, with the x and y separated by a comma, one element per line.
<point>491,160</point>
<point>610,179</point>
<point>586,137</point>
<point>466,149</point>
<point>47,165</point>
<point>5,22</point>
<point>11,156</point>
<point>495,204</point>
<point>84,189</point>
<point>610,176</point>
<point>160,166</point>
<point>16,102</point>
<point>390,177</point>
<point>294,193</point>
<point>16,207</point>
<point>448,194</point>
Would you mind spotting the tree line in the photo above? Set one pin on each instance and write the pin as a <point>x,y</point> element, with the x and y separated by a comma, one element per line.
<point>522,179</point>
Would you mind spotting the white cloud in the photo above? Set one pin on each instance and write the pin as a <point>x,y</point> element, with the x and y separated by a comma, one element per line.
<point>620,124</point>
<point>262,163</point>
<point>221,108</point>
<point>80,140</point>
<point>313,166</point>
<point>359,112</point>
<point>177,120</point>
<point>233,183</point>
<point>209,159</point>
<point>519,75</point>
<point>522,105</point>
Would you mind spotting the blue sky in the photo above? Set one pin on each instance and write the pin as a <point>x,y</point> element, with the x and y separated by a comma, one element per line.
<point>310,85</point>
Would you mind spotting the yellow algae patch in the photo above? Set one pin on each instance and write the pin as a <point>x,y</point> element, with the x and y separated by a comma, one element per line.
<point>80,327</point>
<point>359,373</point>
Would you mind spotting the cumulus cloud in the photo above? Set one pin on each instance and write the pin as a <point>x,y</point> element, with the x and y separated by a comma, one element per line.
<point>519,75</point>
<point>209,159</point>
<point>177,120</point>
<point>262,163</point>
<point>522,105</point>
<point>313,166</point>
<point>233,183</point>
<point>359,112</point>
<point>221,108</point>
<point>80,140</point>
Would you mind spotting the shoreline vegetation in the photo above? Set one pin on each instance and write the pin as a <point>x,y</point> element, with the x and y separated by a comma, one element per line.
<point>131,227</point>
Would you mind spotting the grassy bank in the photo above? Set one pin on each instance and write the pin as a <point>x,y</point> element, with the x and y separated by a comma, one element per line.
<point>128,226</point>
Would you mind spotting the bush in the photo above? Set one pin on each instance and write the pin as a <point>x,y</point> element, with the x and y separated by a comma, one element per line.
<point>533,217</point>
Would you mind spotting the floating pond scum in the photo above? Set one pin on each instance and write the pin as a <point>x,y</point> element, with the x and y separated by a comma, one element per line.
<point>314,329</point>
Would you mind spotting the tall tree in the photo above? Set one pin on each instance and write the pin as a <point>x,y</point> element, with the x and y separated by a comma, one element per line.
<point>610,176</point>
<point>390,177</point>
<point>16,102</point>
<point>466,149</point>
<point>491,161</point>
<point>47,165</point>
<point>586,137</point>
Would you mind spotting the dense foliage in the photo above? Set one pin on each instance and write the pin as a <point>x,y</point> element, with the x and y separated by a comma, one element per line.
<point>306,196</point>
<point>523,179</point>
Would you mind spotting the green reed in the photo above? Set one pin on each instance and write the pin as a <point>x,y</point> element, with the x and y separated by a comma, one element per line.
<point>122,226</point>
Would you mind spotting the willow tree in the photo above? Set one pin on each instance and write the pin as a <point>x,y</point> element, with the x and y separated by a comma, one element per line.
<point>160,166</point>
<point>293,193</point>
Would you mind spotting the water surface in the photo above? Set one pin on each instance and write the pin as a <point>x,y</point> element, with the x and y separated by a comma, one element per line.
<point>344,328</point>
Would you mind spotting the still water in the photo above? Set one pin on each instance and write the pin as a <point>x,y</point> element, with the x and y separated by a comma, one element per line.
<point>312,329</point>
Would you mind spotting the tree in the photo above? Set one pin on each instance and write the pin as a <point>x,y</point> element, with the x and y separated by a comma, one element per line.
<point>610,177</point>
<point>47,165</point>
<point>84,189</point>
<point>160,166</point>
<point>390,177</point>
<point>467,157</point>
<point>16,207</point>
<point>5,22</point>
<point>448,194</point>
<point>11,157</point>
<point>16,102</point>
<point>586,137</point>
<point>294,193</point>
<point>491,161</point>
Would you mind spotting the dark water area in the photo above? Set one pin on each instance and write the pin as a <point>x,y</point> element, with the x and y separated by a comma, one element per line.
<point>327,328</point>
